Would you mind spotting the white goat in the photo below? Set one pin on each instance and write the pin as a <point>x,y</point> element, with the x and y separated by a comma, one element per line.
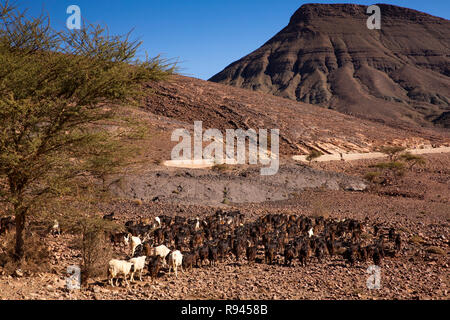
<point>161,251</point>
<point>175,261</point>
<point>139,265</point>
<point>119,267</point>
<point>55,228</point>
<point>158,221</point>
<point>197,224</point>
<point>135,241</point>
<point>310,232</point>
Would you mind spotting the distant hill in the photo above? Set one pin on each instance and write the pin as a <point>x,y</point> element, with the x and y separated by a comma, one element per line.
<point>328,57</point>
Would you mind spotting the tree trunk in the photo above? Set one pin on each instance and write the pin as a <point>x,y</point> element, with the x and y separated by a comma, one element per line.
<point>20,227</point>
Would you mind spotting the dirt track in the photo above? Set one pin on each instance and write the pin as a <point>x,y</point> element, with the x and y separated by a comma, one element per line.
<point>369,155</point>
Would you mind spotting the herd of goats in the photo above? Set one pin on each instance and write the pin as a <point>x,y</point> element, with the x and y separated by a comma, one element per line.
<point>280,238</point>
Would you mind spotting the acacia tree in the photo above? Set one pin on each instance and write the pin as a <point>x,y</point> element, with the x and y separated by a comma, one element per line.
<point>413,159</point>
<point>59,93</point>
<point>392,151</point>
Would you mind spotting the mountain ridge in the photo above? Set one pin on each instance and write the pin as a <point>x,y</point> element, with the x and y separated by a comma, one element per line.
<point>327,56</point>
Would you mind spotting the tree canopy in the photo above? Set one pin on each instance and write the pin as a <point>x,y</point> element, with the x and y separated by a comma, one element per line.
<point>61,94</point>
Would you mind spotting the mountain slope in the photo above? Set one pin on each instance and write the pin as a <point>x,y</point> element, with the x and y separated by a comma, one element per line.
<point>328,57</point>
<point>303,127</point>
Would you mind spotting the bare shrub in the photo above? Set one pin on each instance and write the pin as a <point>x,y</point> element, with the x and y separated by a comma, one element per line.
<point>93,242</point>
<point>413,160</point>
<point>373,176</point>
<point>417,239</point>
<point>436,250</point>
<point>220,167</point>
<point>314,154</point>
<point>96,251</point>
<point>391,171</point>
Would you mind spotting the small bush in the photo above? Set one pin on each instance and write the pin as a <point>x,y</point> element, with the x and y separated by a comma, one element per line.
<point>96,251</point>
<point>397,167</point>
<point>436,250</point>
<point>372,176</point>
<point>314,154</point>
<point>413,160</point>
<point>225,196</point>
<point>93,242</point>
<point>417,239</point>
<point>389,165</point>
<point>220,167</point>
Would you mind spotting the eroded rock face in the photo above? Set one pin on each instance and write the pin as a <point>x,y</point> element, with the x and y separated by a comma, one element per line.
<point>206,187</point>
<point>327,56</point>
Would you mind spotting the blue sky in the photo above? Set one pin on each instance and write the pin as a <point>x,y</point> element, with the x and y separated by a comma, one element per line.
<point>204,35</point>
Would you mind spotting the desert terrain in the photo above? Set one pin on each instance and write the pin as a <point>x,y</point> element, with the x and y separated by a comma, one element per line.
<point>417,206</point>
<point>343,97</point>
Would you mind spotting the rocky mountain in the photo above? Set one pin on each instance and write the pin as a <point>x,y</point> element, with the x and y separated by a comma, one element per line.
<point>327,56</point>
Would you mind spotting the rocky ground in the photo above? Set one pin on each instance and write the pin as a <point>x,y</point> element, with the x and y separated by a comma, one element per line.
<point>417,205</point>
<point>229,184</point>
